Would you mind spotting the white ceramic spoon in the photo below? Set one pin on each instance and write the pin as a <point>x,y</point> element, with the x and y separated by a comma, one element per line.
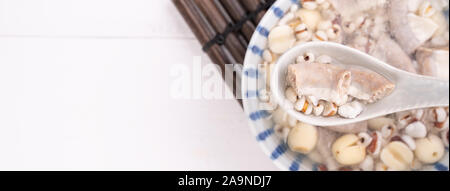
<point>411,92</point>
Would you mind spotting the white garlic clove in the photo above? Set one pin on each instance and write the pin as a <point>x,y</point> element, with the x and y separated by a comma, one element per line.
<point>281,38</point>
<point>378,123</point>
<point>347,150</point>
<point>365,138</point>
<point>350,110</point>
<point>416,129</point>
<point>291,95</point>
<point>430,149</point>
<point>302,138</point>
<point>397,156</point>
<point>324,59</point>
<point>367,164</point>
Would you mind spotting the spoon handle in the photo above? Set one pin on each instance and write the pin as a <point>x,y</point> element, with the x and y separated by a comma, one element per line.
<point>416,92</point>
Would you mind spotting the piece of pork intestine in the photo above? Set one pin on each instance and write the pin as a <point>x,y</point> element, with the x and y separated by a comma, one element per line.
<point>369,86</point>
<point>324,81</point>
<point>326,139</point>
<point>410,30</point>
<point>387,50</point>
<point>433,62</point>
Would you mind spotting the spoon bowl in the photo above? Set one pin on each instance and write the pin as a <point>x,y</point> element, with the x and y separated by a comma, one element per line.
<point>411,91</point>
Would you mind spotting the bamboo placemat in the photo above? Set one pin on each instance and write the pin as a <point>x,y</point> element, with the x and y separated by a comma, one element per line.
<point>224,28</point>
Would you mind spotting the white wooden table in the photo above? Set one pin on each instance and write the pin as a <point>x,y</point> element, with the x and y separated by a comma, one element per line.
<point>84,85</point>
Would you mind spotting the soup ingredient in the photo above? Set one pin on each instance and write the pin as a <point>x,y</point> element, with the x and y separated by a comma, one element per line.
<point>410,30</point>
<point>367,164</point>
<point>397,156</point>
<point>302,33</point>
<point>369,86</point>
<point>281,38</point>
<point>433,62</point>
<point>310,17</point>
<point>348,150</point>
<point>378,123</point>
<point>302,138</point>
<point>350,110</point>
<point>330,109</point>
<point>430,149</point>
<point>323,81</point>
<point>324,148</point>
<point>390,52</point>
<point>426,10</point>
<point>409,141</point>
<point>416,130</point>
<point>320,36</point>
<point>318,110</point>
<point>374,147</point>
<point>291,95</point>
<point>440,115</point>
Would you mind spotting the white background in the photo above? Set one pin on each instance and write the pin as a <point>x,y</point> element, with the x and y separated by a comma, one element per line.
<point>84,85</point>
